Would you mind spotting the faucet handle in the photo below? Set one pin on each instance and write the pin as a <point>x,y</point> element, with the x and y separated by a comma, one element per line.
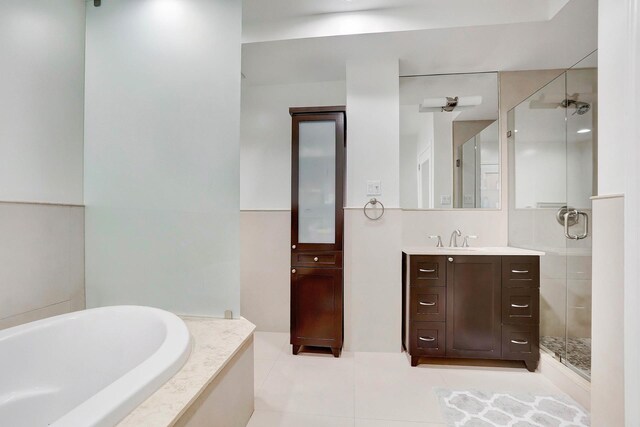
<point>465,242</point>
<point>439,244</point>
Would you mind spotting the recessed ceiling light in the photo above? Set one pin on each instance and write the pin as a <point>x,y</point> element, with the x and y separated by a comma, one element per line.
<point>584,131</point>
<point>516,131</point>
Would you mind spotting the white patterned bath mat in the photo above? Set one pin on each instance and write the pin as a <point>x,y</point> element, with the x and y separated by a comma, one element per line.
<point>471,408</point>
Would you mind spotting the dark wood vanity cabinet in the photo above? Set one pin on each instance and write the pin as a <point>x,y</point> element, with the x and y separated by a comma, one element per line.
<point>317,193</point>
<point>471,306</point>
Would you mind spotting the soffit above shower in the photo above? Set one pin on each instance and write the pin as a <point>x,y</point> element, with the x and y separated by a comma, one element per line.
<point>286,20</point>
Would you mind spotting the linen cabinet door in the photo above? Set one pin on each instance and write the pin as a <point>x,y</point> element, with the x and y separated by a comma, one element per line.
<point>316,308</point>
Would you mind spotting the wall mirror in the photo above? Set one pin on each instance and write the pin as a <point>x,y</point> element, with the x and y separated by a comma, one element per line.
<point>449,142</point>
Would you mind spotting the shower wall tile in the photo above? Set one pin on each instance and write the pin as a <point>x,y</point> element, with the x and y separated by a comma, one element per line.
<point>553,266</point>
<point>42,249</point>
<point>579,267</point>
<point>553,300</point>
<point>579,308</point>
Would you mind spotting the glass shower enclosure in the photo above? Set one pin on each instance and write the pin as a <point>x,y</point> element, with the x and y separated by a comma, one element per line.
<point>552,140</point>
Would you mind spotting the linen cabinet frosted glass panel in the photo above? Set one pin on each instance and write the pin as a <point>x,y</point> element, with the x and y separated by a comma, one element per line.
<point>317,193</point>
<point>317,181</point>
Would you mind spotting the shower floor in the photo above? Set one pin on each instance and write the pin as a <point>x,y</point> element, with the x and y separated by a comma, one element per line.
<point>578,351</point>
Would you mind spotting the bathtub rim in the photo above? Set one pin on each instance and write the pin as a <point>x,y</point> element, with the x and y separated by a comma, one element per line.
<point>115,401</point>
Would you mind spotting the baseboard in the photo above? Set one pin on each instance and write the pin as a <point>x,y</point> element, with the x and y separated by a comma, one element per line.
<point>566,380</point>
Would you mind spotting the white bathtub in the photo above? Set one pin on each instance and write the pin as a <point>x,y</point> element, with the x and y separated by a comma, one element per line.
<point>89,368</point>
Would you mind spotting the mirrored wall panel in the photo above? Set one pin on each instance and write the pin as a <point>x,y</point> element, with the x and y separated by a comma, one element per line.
<point>449,142</point>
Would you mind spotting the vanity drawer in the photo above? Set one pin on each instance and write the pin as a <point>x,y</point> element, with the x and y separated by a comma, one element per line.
<point>428,304</point>
<point>521,271</point>
<point>427,270</point>
<point>520,306</point>
<point>520,342</point>
<point>316,259</point>
<point>428,339</point>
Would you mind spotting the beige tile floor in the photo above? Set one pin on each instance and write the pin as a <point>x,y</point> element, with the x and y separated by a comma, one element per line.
<point>365,389</point>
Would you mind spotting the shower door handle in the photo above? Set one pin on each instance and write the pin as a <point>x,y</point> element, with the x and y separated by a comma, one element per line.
<point>576,214</point>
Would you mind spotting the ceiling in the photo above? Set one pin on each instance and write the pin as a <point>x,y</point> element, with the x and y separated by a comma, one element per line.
<point>272,10</point>
<point>287,19</point>
<point>567,34</point>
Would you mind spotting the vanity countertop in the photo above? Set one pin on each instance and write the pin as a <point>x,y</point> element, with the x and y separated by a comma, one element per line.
<point>499,250</point>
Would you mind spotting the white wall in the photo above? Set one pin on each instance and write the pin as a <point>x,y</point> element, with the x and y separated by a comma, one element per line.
<point>162,155</point>
<point>373,130</point>
<point>373,248</point>
<point>41,106</point>
<point>632,225</point>
<point>608,320</point>
<point>265,147</point>
<point>618,159</point>
<point>41,124</point>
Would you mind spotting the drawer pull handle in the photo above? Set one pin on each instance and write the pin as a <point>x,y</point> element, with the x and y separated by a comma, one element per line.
<point>520,305</point>
<point>428,304</point>
<point>520,342</point>
<point>315,259</point>
<point>520,271</point>
<point>427,339</point>
<point>422,270</point>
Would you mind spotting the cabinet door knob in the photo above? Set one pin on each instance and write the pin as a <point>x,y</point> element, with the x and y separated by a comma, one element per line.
<point>293,246</point>
<point>293,270</point>
<point>450,259</point>
<point>315,259</point>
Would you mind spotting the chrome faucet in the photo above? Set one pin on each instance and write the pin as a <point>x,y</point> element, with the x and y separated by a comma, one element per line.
<point>453,241</point>
<point>439,244</point>
<point>465,242</point>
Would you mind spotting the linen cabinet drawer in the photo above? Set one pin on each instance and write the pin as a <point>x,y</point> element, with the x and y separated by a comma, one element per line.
<point>428,339</point>
<point>428,304</point>
<point>317,259</point>
<point>426,270</point>
<point>520,306</point>
<point>520,342</point>
<point>521,271</point>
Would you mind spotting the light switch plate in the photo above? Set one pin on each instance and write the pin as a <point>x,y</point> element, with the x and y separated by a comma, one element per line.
<point>374,188</point>
<point>445,199</point>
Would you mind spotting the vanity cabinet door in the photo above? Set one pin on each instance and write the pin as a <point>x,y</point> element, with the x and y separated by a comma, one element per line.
<point>474,307</point>
<point>316,306</point>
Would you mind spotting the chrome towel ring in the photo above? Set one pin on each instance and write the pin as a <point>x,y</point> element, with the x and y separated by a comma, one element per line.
<point>373,202</point>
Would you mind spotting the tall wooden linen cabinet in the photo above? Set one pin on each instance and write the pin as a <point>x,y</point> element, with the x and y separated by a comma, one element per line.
<point>317,192</point>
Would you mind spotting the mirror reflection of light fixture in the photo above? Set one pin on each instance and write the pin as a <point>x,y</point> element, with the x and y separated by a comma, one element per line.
<point>449,104</point>
<point>584,131</point>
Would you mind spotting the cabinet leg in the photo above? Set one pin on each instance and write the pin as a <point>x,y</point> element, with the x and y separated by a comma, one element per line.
<point>414,360</point>
<point>296,349</point>
<point>336,351</point>
<point>531,365</point>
